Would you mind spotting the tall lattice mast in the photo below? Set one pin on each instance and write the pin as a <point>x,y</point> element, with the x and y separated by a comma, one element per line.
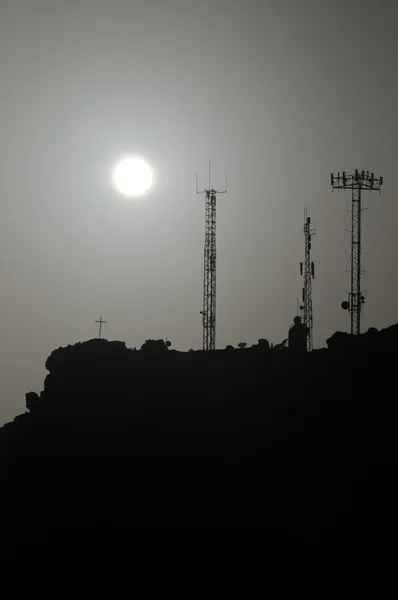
<point>307,270</point>
<point>358,182</point>
<point>209,281</point>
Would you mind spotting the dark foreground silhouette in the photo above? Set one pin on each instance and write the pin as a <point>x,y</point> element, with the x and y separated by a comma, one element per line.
<point>298,444</point>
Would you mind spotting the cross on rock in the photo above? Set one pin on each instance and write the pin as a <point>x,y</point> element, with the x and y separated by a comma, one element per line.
<point>100,326</point>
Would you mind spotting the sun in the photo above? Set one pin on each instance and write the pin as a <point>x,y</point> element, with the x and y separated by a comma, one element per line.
<point>133,176</point>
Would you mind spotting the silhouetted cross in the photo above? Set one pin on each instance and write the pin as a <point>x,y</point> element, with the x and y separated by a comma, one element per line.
<point>100,327</point>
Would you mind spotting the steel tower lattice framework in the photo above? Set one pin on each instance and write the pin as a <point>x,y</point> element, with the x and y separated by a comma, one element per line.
<point>210,260</point>
<point>358,182</point>
<point>307,270</point>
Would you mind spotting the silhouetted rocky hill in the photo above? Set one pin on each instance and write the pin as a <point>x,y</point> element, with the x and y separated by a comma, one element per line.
<point>294,443</point>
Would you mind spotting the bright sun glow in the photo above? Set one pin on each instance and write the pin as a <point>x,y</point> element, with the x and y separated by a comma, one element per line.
<point>133,176</point>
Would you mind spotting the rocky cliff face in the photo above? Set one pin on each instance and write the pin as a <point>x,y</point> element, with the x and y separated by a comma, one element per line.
<point>287,440</point>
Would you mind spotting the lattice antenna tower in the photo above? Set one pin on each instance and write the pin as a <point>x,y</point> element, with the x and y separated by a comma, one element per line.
<point>307,270</point>
<point>210,255</point>
<point>358,182</point>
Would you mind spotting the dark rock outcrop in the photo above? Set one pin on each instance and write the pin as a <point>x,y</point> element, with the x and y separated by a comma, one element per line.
<point>279,440</point>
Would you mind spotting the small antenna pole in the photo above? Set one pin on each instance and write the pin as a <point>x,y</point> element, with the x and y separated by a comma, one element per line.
<point>307,270</point>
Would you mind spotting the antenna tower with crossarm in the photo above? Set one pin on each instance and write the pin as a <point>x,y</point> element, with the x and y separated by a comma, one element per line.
<point>357,182</point>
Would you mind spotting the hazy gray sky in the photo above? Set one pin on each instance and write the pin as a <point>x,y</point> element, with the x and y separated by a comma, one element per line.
<point>279,93</point>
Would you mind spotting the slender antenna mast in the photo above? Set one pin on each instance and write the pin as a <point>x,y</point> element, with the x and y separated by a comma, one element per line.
<point>358,182</point>
<point>307,270</point>
<point>209,280</point>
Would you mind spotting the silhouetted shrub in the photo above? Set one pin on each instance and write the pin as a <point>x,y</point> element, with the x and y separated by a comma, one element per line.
<point>279,346</point>
<point>155,346</point>
<point>263,344</point>
<point>32,400</point>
